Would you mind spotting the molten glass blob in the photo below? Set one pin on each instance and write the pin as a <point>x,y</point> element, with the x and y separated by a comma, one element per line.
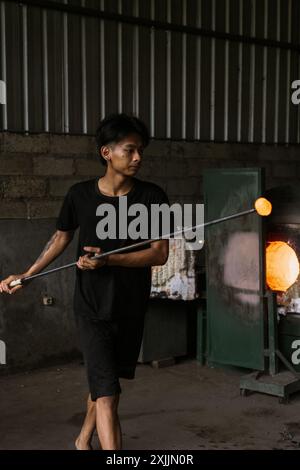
<point>263,206</point>
<point>282,266</point>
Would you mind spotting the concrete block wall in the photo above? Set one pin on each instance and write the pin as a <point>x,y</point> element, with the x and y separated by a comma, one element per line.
<point>37,170</point>
<point>35,173</point>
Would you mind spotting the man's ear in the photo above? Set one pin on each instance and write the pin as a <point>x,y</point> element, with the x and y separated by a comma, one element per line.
<point>105,152</point>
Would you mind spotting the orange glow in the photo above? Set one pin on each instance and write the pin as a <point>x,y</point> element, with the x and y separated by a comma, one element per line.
<point>282,266</point>
<point>263,206</point>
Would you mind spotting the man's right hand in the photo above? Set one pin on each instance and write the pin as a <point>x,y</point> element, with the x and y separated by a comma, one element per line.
<point>4,285</point>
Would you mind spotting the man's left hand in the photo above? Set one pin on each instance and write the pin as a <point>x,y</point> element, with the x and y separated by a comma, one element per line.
<point>85,262</point>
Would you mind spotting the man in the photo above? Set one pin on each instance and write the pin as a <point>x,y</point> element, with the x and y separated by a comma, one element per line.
<point>111,294</point>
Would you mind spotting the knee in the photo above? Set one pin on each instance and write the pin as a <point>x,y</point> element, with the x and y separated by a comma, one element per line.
<point>107,404</point>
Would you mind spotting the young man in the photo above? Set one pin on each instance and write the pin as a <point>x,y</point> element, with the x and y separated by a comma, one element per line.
<point>111,294</point>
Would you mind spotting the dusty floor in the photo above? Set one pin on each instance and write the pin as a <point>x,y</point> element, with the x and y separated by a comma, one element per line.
<point>184,406</point>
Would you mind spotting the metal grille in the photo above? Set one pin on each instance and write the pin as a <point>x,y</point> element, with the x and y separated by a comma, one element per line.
<point>208,70</point>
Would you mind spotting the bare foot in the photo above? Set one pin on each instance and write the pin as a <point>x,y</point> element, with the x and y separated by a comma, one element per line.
<point>80,444</point>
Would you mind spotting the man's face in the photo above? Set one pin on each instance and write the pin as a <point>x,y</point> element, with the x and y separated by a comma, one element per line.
<point>125,157</point>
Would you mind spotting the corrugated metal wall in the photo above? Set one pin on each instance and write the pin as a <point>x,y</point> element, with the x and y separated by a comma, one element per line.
<point>64,71</point>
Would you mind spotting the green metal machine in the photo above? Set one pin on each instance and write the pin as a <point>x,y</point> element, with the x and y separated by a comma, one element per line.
<point>241,315</point>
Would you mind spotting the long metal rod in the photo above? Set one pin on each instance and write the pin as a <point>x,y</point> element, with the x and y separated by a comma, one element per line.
<point>25,68</point>
<point>277,76</point>
<point>265,77</point>
<point>212,73</point>
<point>102,66</point>
<point>136,63</point>
<point>83,73</point>
<point>198,76</point>
<point>252,76</point>
<point>105,15</point>
<point>240,77</point>
<point>120,60</point>
<point>169,73</point>
<point>183,72</point>
<point>152,73</point>
<point>66,123</point>
<point>288,76</point>
<point>3,60</point>
<point>226,71</point>
<point>45,72</point>
<point>135,245</point>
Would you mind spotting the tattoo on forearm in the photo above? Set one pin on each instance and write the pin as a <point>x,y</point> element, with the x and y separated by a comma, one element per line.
<point>48,245</point>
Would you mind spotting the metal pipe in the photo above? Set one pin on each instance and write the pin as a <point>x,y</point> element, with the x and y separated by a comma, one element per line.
<point>169,74</point>
<point>277,77</point>
<point>83,74</point>
<point>226,72</point>
<point>134,245</point>
<point>265,76</point>
<point>102,65</point>
<point>213,76</point>
<point>288,77</point>
<point>252,76</point>
<point>45,73</point>
<point>183,71</point>
<point>198,76</point>
<point>136,66</point>
<point>92,12</point>
<point>240,77</point>
<point>3,60</point>
<point>120,61</point>
<point>25,68</point>
<point>66,123</point>
<point>152,74</point>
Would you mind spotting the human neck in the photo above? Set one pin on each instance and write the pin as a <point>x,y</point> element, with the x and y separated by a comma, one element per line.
<point>115,184</point>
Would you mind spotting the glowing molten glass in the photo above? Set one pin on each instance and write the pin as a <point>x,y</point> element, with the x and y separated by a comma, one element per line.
<point>263,206</point>
<point>282,266</point>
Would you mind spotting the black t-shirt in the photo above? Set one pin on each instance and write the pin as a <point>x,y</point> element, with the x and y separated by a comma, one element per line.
<point>99,291</point>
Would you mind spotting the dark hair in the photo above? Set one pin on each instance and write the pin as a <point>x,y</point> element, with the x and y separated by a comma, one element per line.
<point>116,127</point>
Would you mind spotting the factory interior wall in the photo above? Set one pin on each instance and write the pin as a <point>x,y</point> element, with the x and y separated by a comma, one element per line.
<point>35,174</point>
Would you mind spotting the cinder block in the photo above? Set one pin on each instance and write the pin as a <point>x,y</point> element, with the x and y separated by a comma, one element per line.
<point>161,182</point>
<point>272,182</point>
<point>277,153</point>
<point>284,170</point>
<point>184,186</point>
<point>144,172</point>
<point>72,144</point>
<point>15,164</point>
<point>158,148</point>
<point>60,187</point>
<point>191,149</point>
<point>37,143</point>
<point>169,361</point>
<point>44,165</point>
<point>292,152</point>
<point>89,167</point>
<point>176,166</point>
<point>13,210</point>
<point>45,209</point>
<point>22,186</point>
<point>177,149</point>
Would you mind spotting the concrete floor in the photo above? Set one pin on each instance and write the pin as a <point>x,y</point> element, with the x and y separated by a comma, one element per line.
<point>184,406</point>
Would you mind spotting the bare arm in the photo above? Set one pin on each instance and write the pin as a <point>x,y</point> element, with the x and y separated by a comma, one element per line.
<point>54,247</point>
<point>156,255</point>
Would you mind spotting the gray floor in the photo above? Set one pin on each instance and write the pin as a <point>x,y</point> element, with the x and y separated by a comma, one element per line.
<point>184,406</point>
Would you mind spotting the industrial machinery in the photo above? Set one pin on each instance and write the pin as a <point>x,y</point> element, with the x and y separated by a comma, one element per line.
<point>249,321</point>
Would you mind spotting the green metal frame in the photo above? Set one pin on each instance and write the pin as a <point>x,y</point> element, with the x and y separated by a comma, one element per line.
<point>235,335</point>
<point>281,384</point>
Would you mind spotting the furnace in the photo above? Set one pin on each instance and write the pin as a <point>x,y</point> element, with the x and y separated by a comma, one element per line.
<point>253,290</point>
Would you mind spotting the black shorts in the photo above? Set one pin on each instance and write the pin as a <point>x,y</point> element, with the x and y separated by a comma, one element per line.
<point>110,349</point>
